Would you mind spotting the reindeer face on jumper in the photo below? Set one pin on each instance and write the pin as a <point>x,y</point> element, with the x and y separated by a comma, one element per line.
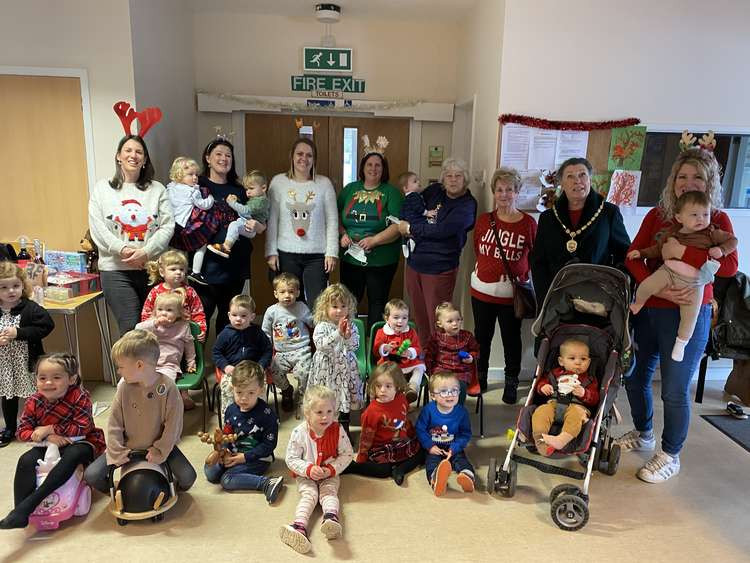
<point>301,211</point>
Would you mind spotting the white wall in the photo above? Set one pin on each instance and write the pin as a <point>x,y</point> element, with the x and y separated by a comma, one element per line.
<point>670,62</point>
<point>433,133</point>
<point>162,40</point>
<point>89,34</point>
<point>479,73</point>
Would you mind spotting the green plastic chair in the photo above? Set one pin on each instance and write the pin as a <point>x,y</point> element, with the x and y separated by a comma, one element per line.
<point>194,381</point>
<point>362,350</point>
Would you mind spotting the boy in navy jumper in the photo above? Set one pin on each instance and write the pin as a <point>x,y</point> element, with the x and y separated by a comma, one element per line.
<point>240,340</point>
<point>257,430</point>
<point>444,430</point>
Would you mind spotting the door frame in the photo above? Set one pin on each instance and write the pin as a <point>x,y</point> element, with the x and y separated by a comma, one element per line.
<point>83,78</point>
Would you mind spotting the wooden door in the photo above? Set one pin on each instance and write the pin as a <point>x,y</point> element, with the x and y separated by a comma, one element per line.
<point>268,138</point>
<point>397,153</point>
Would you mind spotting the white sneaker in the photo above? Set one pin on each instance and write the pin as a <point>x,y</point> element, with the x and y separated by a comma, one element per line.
<point>633,442</point>
<point>659,468</point>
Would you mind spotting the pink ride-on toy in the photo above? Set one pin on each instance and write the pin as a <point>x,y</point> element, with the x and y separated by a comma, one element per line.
<point>73,498</point>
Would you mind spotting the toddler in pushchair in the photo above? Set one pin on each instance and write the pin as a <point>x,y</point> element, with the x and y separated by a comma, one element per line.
<point>588,305</point>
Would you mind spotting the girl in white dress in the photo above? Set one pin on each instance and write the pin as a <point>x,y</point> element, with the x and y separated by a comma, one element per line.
<point>336,339</point>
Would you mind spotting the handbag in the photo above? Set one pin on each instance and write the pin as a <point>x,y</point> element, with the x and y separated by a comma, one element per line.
<point>524,298</point>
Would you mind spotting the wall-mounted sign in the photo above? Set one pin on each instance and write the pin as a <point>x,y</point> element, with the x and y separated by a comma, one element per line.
<point>327,59</point>
<point>327,94</point>
<point>309,83</point>
<point>435,155</point>
<point>321,103</point>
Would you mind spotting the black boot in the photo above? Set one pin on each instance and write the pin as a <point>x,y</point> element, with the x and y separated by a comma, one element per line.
<point>510,392</point>
<point>482,381</point>
<point>287,399</point>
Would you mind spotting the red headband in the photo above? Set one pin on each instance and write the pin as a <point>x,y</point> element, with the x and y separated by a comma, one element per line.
<point>147,118</point>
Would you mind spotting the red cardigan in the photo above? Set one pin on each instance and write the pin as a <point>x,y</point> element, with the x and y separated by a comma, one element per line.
<point>653,223</point>
<point>69,416</point>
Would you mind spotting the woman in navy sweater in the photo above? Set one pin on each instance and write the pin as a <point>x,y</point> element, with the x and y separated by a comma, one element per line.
<point>432,266</point>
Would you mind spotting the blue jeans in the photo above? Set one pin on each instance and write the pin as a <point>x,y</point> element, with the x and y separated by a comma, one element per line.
<point>459,462</point>
<point>655,332</point>
<point>241,477</point>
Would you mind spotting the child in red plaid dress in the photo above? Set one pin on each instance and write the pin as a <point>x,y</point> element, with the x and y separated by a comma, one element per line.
<point>58,413</point>
<point>452,349</point>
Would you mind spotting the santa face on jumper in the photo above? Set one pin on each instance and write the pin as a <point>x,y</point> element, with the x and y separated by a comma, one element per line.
<point>133,219</point>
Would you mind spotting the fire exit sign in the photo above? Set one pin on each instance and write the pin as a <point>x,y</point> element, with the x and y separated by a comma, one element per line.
<point>325,59</point>
<point>308,83</point>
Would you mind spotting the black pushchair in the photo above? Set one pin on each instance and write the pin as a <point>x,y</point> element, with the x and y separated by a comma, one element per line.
<point>589,303</point>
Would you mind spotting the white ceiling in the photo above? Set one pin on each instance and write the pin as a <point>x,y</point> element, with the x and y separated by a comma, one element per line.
<point>431,10</point>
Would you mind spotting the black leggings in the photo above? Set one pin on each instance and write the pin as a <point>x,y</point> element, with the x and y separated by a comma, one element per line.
<point>383,470</point>
<point>27,496</point>
<point>376,280</point>
<point>485,316</point>
<point>10,413</point>
<point>310,271</point>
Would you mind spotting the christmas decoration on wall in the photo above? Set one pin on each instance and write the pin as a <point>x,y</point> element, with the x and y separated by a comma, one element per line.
<point>565,125</point>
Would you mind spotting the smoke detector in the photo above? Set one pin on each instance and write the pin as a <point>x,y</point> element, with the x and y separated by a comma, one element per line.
<point>328,13</point>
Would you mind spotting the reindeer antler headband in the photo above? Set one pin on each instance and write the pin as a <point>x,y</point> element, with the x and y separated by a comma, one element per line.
<point>147,117</point>
<point>707,142</point>
<point>380,145</point>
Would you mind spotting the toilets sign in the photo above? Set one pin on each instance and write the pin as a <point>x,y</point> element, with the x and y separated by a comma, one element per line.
<point>347,84</point>
<point>322,59</point>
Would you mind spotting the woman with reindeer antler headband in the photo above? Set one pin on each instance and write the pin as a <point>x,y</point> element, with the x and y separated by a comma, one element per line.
<point>302,236</point>
<point>130,219</point>
<point>656,325</point>
<point>364,206</point>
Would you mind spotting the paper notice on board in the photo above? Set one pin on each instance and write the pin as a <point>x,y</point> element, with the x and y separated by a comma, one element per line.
<point>571,144</point>
<point>515,146</point>
<point>542,149</point>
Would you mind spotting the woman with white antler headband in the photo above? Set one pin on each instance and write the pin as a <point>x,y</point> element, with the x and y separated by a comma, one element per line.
<point>370,249</point>
<point>656,325</point>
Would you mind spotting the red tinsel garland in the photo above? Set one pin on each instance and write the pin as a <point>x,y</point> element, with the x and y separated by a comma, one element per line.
<point>566,125</point>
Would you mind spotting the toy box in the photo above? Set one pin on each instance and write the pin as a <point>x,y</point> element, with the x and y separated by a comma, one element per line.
<point>79,284</point>
<point>65,261</point>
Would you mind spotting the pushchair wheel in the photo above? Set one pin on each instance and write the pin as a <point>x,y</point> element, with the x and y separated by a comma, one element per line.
<point>508,481</point>
<point>570,512</point>
<point>122,522</point>
<point>492,476</point>
<point>613,459</point>
<point>564,489</point>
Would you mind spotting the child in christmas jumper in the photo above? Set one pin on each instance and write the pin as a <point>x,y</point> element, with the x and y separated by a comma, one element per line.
<point>23,325</point>
<point>388,445</point>
<point>453,349</point>
<point>336,341</point>
<point>414,208</point>
<point>398,342</point>
<point>168,274</point>
<point>240,340</point>
<point>318,451</point>
<point>692,228</point>
<point>574,386</point>
<point>257,430</point>
<point>175,341</point>
<point>287,324</point>
<point>252,216</point>
<point>194,223</point>
<point>146,414</point>
<point>444,430</point>
<point>59,413</point>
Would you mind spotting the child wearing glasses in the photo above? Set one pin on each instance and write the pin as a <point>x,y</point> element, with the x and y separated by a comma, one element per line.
<point>444,430</point>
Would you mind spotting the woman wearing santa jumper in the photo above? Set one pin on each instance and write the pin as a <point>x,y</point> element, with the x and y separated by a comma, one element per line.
<point>131,222</point>
<point>491,288</point>
<point>302,237</point>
